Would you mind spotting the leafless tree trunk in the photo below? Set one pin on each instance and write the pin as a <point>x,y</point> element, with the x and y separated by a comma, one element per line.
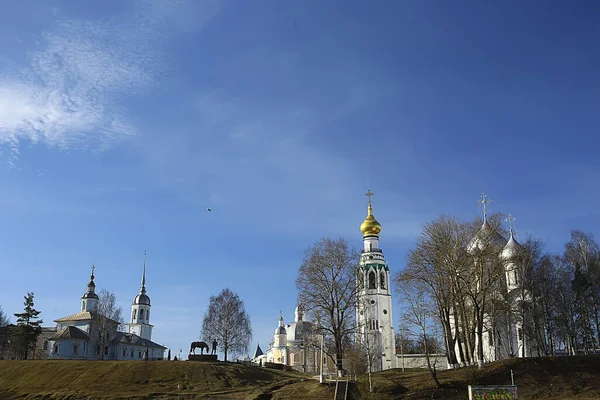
<point>4,320</point>
<point>106,319</point>
<point>420,314</point>
<point>327,287</point>
<point>437,261</point>
<point>227,322</point>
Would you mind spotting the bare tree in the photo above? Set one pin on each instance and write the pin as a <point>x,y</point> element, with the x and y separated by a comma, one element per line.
<point>544,304</point>
<point>227,322</point>
<point>4,320</point>
<point>420,313</point>
<point>106,319</point>
<point>582,254</point>
<point>367,341</point>
<point>327,287</point>
<point>438,261</point>
<point>483,281</point>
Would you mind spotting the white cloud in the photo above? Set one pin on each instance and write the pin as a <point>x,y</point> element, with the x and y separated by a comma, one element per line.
<point>70,95</point>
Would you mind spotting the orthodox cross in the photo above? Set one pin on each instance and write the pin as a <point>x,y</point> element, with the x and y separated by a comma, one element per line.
<point>369,194</point>
<point>510,219</point>
<point>484,202</point>
<point>93,269</point>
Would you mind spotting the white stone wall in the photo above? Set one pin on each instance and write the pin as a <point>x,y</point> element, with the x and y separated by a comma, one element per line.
<point>420,361</point>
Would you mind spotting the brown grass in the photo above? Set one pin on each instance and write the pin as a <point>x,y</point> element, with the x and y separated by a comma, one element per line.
<point>539,378</point>
<point>536,378</point>
<point>49,379</point>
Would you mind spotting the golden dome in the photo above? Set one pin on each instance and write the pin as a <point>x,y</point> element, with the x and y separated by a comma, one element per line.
<point>370,225</point>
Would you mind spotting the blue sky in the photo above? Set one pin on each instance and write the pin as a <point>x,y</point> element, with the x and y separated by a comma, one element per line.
<point>120,121</point>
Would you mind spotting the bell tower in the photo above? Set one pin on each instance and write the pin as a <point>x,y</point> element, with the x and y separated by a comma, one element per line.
<point>89,300</point>
<point>140,311</point>
<point>374,310</point>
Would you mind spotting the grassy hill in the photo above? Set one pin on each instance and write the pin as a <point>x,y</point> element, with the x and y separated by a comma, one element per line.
<point>540,378</point>
<point>49,379</point>
<point>536,378</point>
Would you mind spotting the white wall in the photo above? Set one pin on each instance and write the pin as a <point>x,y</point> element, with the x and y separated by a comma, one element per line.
<point>420,361</point>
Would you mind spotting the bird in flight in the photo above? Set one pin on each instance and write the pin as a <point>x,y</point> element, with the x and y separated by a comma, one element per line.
<point>208,209</point>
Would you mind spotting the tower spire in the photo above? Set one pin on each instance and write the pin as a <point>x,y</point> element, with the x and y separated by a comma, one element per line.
<point>510,219</point>
<point>484,202</point>
<point>143,288</point>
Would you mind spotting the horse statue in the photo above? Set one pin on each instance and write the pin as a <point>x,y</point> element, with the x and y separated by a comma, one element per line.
<point>200,345</point>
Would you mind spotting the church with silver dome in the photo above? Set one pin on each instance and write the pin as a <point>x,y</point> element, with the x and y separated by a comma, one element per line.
<point>294,344</point>
<point>77,335</point>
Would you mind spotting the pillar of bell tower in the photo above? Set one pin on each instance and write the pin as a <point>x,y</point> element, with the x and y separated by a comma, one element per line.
<point>374,311</point>
<point>371,243</point>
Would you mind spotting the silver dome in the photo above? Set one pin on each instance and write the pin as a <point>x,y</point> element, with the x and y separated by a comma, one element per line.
<point>280,330</point>
<point>142,298</point>
<point>90,295</point>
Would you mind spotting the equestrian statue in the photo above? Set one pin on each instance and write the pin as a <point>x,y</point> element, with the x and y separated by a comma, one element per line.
<point>200,345</point>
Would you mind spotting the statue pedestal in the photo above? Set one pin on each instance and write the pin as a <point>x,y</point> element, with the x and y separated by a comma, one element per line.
<point>202,357</point>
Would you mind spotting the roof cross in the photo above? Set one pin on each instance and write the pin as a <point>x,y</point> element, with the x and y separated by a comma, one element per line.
<point>484,202</point>
<point>93,268</point>
<point>510,219</point>
<point>369,194</point>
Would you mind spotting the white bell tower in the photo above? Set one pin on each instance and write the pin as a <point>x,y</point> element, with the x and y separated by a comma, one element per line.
<point>374,310</point>
<point>140,311</point>
<point>89,300</point>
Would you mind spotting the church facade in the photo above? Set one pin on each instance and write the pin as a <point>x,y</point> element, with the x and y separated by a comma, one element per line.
<point>502,333</point>
<point>78,335</point>
<point>375,330</point>
<point>296,345</point>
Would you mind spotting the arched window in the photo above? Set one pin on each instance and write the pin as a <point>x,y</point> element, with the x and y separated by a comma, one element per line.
<point>372,280</point>
<point>45,345</point>
<point>134,313</point>
<point>382,280</point>
<point>83,306</point>
<point>148,315</point>
<point>142,314</point>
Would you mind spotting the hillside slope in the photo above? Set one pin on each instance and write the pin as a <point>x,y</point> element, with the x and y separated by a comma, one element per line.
<point>536,378</point>
<point>49,379</point>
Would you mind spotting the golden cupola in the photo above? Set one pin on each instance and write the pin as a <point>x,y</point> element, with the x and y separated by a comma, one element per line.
<point>370,226</point>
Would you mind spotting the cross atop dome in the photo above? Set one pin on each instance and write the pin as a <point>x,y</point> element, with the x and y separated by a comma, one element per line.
<point>510,219</point>
<point>369,194</point>
<point>484,202</point>
<point>370,226</point>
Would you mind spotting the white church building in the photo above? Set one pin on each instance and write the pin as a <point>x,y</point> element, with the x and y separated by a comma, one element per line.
<point>502,333</point>
<point>295,344</point>
<point>77,335</point>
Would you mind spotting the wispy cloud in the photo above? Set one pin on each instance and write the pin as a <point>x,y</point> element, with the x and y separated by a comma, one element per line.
<point>71,94</point>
